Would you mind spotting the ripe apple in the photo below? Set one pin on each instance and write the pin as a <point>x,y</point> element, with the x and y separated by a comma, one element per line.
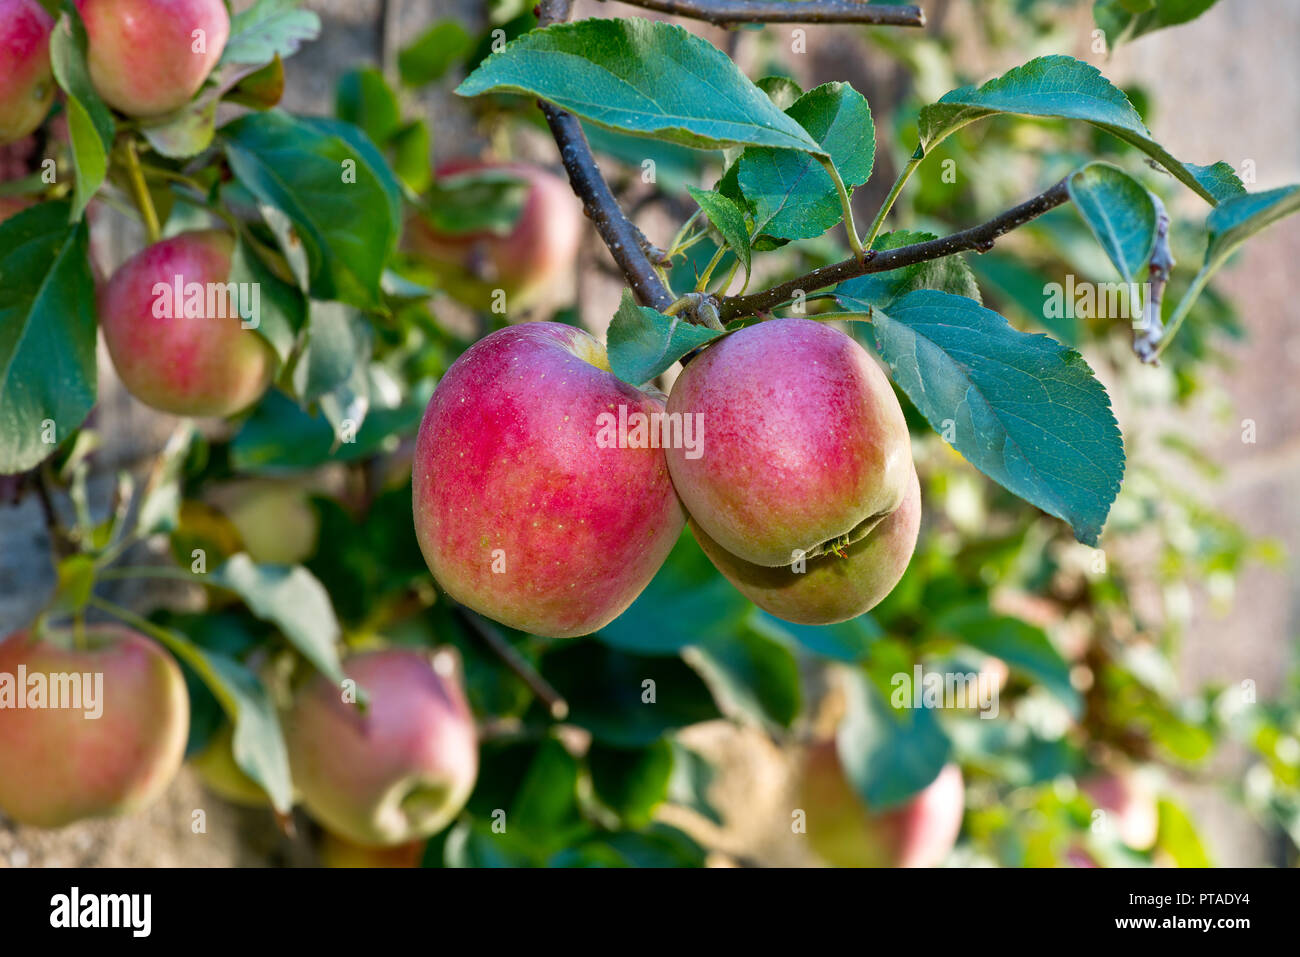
<point>1130,806</point>
<point>200,361</point>
<point>806,449</point>
<point>26,81</point>
<point>844,833</point>
<point>222,776</point>
<point>400,769</point>
<point>524,263</point>
<point>833,587</point>
<point>149,57</point>
<point>524,513</point>
<point>61,765</point>
<point>336,851</point>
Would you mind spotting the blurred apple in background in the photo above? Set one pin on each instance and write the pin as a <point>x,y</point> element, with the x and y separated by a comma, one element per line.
<point>336,851</point>
<point>845,833</point>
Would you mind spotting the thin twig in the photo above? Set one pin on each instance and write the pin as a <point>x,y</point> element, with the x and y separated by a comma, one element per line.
<point>781,11</point>
<point>555,703</point>
<point>979,237</point>
<point>1147,335</point>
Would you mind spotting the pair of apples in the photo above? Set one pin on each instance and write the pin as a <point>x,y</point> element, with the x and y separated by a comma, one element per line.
<point>799,484</point>
<point>146,58</point>
<point>396,771</point>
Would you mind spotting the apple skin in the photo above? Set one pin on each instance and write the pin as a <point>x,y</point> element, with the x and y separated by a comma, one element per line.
<point>339,852</point>
<point>26,80</point>
<point>59,766</point>
<point>141,52</point>
<point>844,833</point>
<point>186,366</point>
<point>1130,806</point>
<point>275,520</point>
<point>507,469</point>
<point>400,770</point>
<point>526,262</point>
<point>805,441</point>
<point>830,588</point>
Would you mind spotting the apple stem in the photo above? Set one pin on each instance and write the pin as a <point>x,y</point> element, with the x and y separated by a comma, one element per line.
<point>140,189</point>
<point>554,701</point>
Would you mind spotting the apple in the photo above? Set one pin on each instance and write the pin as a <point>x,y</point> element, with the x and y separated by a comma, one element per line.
<point>149,57</point>
<point>833,587</point>
<point>336,851</point>
<point>806,448</point>
<point>524,263</point>
<point>845,833</point>
<point>220,774</point>
<point>525,507</point>
<point>396,771</point>
<point>59,765</point>
<point>1129,804</point>
<point>180,360</point>
<point>26,80</point>
<point>275,519</point>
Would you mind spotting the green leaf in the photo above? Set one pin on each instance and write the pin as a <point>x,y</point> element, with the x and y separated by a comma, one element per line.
<point>160,502</point>
<point>187,133</point>
<point>545,806</point>
<point>293,600</point>
<point>632,782</point>
<point>626,700</point>
<point>1220,179</point>
<point>643,342</point>
<point>434,52</point>
<point>279,437</point>
<point>951,274</point>
<point>792,194</point>
<point>1236,220</point>
<point>847,641</point>
<point>365,100</point>
<point>282,308</point>
<point>646,77</point>
<point>258,743</point>
<point>1120,212</point>
<point>1023,409</point>
<point>1022,646</point>
<point>1177,836</point>
<point>659,845</point>
<point>752,675</point>
<point>687,589</point>
<point>412,145</point>
<point>1128,20</point>
<point>267,29</point>
<point>476,201</point>
<point>304,170</point>
<point>90,124</point>
<point>1051,86</point>
<point>781,90</point>
<point>339,342</point>
<point>690,782</point>
<point>888,754</point>
<point>47,333</point>
<point>728,220</point>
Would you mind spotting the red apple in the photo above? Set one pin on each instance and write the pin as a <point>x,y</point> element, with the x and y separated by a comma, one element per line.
<point>199,361</point>
<point>61,765</point>
<point>524,263</point>
<point>523,510</point>
<point>833,587</point>
<point>149,57</point>
<point>845,833</point>
<point>26,82</point>
<point>400,769</point>
<point>806,449</point>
